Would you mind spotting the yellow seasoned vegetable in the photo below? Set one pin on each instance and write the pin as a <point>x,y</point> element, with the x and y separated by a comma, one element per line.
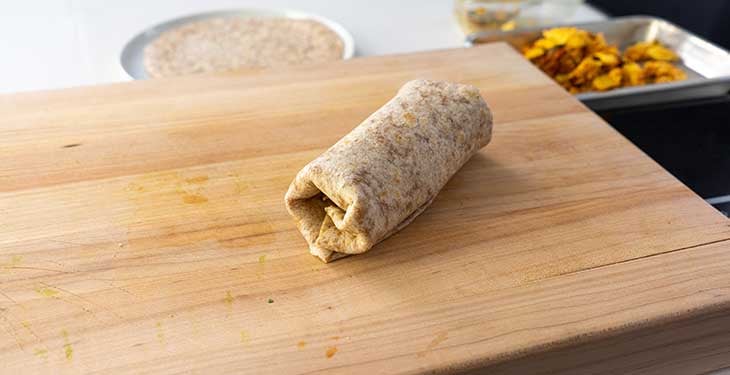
<point>662,71</point>
<point>633,75</point>
<point>581,61</point>
<point>636,52</point>
<point>608,81</point>
<point>534,52</point>
<point>607,58</point>
<point>660,53</point>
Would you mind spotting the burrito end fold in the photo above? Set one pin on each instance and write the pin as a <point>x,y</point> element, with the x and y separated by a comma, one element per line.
<point>387,170</point>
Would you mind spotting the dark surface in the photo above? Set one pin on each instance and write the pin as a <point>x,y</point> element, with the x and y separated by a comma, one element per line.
<point>708,18</point>
<point>724,208</point>
<point>691,140</point>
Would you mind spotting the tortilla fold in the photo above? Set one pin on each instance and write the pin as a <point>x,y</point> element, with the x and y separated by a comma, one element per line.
<point>386,171</point>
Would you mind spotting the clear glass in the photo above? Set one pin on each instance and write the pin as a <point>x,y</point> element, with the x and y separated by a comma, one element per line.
<point>505,15</point>
<point>481,15</point>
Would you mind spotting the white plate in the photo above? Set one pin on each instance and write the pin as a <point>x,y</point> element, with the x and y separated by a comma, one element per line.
<point>133,52</point>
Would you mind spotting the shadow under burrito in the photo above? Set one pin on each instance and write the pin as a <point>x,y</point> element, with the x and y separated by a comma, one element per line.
<point>464,211</point>
<point>454,247</point>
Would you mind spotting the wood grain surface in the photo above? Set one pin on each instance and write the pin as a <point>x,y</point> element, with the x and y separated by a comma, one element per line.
<point>142,230</point>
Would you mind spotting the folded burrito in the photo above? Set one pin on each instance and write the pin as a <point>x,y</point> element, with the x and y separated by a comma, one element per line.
<point>385,172</point>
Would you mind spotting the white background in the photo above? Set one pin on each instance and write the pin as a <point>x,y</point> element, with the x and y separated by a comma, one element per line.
<point>61,43</point>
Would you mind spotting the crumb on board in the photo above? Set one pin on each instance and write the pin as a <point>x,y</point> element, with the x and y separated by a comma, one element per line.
<point>331,351</point>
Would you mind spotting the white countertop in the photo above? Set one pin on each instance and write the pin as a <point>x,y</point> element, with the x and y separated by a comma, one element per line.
<point>64,43</point>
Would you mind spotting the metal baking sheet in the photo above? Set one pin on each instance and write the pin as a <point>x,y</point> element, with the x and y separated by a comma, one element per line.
<point>132,55</point>
<point>707,65</point>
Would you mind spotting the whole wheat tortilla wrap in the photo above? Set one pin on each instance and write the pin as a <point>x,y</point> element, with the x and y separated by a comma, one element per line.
<point>385,172</point>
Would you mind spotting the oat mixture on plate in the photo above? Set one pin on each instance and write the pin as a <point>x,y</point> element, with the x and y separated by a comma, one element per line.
<point>230,43</point>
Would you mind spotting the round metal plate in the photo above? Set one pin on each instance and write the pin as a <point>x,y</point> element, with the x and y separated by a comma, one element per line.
<point>133,52</point>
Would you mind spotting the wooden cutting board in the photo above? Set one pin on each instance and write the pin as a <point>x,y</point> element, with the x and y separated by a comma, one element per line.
<point>142,230</point>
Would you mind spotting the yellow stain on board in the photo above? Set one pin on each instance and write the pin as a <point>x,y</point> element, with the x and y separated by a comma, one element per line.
<point>301,345</point>
<point>68,350</point>
<point>331,352</point>
<point>47,292</point>
<point>160,332</point>
<point>194,198</point>
<point>244,337</point>
<point>26,325</point>
<point>41,353</point>
<point>240,186</point>
<point>135,187</point>
<point>229,299</point>
<point>262,259</point>
<point>441,337</point>
<point>14,261</point>
<point>150,191</point>
<point>197,180</point>
<point>189,189</point>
